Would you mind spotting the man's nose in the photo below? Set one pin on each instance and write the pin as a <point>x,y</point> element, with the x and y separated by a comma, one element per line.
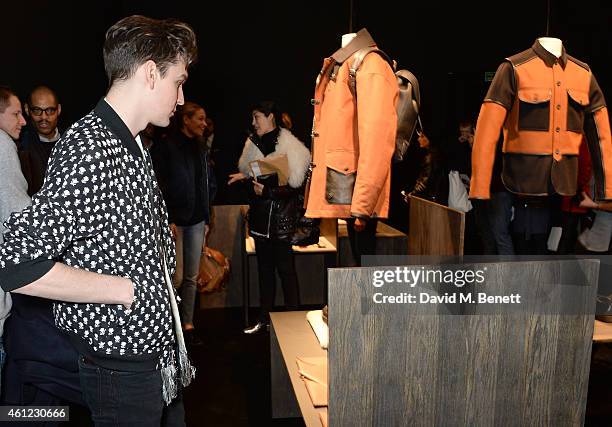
<point>181,97</point>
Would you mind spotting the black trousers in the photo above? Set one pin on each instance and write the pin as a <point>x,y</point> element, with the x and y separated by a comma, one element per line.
<point>275,255</point>
<point>127,399</point>
<point>362,242</point>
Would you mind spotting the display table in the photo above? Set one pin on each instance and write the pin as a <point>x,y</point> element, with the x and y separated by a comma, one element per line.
<point>404,354</point>
<point>291,336</point>
<point>602,332</point>
<point>389,241</point>
<point>323,246</point>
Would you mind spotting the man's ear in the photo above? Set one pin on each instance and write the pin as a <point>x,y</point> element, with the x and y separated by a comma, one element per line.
<point>150,73</point>
<point>26,109</point>
<point>59,109</point>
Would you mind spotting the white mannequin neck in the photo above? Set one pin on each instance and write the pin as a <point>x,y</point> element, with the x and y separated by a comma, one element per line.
<point>553,45</point>
<point>346,38</point>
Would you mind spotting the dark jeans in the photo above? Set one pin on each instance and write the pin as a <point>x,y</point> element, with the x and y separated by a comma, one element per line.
<point>362,242</point>
<point>120,398</point>
<point>276,255</point>
<point>492,219</point>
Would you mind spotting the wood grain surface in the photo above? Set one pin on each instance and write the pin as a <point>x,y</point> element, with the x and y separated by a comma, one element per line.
<point>434,229</point>
<point>464,364</point>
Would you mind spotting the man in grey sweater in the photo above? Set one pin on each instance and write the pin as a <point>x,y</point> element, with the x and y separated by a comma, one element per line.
<point>13,186</point>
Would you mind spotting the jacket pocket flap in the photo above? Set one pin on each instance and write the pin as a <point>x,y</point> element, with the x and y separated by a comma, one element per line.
<point>344,162</point>
<point>534,95</point>
<point>579,96</point>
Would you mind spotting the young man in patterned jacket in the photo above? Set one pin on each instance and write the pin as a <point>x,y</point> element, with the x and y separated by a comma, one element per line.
<point>96,235</point>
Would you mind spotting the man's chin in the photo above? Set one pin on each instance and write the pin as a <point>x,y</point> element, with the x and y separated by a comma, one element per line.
<point>161,123</point>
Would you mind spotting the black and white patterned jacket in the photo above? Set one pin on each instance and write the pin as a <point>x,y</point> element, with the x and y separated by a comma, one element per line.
<point>98,210</point>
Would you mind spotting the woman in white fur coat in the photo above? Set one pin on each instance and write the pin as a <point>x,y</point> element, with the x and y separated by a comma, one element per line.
<point>273,207</point>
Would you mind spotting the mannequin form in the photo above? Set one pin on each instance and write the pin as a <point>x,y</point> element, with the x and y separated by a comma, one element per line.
<point>553,45</point>
<point>360,223</point>
<point>346,38</point>
<point>352,184</point>
<point>574,111</point>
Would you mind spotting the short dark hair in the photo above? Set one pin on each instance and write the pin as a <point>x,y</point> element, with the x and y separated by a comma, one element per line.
<point>42,88</point>
<point>134,40</point>
<point>267,108</point>
<point>5,97</point>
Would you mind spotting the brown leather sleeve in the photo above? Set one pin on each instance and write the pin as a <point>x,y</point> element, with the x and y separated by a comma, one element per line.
<point>596,97</point>
<point>502,90</point>
<point>488,128</point>
<point>597,131</point>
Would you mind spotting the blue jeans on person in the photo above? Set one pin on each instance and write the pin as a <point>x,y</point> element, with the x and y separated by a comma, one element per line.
<point>127,399</point>
<point>189,241</point>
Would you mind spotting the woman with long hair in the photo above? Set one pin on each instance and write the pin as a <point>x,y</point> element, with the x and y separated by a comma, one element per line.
<point>187,183</point>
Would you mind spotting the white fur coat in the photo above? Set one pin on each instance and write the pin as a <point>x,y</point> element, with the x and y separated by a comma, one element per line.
<point>298,157</point>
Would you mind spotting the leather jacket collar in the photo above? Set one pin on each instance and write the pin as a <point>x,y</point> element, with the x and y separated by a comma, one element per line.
<point>548,58</point>
<point>361,40</point>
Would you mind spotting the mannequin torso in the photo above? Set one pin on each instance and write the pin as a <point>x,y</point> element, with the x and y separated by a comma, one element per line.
<point>553,45</point>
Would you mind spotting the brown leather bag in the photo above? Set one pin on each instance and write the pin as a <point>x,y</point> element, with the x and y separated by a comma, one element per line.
<point>214,271</point>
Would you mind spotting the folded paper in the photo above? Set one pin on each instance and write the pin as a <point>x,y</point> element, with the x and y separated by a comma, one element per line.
<point>269,165</point>
<point>315,319</point>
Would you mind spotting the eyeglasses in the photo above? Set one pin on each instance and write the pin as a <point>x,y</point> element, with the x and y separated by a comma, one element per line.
<point>37,111</point>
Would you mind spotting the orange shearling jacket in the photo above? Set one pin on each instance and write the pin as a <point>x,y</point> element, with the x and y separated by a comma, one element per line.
<point>352,139</point>
<point>544,105</point>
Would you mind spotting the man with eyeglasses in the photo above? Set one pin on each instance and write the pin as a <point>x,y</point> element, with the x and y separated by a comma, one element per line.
<point>38,138</point>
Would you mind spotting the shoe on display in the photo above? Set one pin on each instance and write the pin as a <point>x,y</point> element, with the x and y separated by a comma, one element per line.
<point>257,327</point>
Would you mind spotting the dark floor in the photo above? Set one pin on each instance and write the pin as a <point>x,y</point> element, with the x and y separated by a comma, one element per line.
<point>232,385</point>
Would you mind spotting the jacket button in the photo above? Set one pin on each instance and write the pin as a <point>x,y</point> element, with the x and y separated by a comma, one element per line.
<point>557,151</point>
<point>558,106</point>
<point>346,169</point>
<point>558,83</point>
<point>558,130</point>
<point>314,134</point>
<point>315,101</point>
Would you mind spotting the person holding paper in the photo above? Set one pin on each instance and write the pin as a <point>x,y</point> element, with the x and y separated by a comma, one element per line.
<point>277,163</point>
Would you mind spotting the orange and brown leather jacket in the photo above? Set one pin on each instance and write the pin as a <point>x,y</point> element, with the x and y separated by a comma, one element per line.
<point>544,105</point>
<point>352,139</point>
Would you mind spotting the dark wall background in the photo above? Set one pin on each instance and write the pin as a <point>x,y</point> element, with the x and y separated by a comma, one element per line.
<point>274,49</point>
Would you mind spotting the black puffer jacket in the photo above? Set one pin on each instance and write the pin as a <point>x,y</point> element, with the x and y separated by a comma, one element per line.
<point>185,178</point>
<point>273,215</point>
